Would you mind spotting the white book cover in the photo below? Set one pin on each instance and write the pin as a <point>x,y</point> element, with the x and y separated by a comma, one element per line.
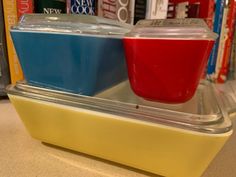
<point>157,9</point>
<point>182,10</point>
<point>131,11</point>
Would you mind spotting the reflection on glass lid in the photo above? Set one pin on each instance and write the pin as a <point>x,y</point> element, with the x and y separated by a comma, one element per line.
<point>71,23</point>
<point>201,114</point>
<point>172,28</point>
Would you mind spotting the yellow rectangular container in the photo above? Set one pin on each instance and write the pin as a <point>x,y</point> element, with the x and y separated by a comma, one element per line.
<point>169,140</point>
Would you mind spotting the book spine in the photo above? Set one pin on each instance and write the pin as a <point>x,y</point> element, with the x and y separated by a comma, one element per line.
<point>231,73</point>
<point>86,7</point>
<point>233,58</point>
<point>194,10</point>
<point>222,41</point>
<point>140,10</point>
<point>182,10</point>
<point>156,9</point>
<point>119,10</point>
<point>171,10</point>
<point>4,69</point>
<point>185,9</point>
<point>219,11</point>
<point>131,11</point>
<point>210,13</point>
<point>10,18</point>
<point>107,9</point>
<point>207,8</point>
<point>198,9</point>
<point>24,6</point>
<point>50,6</point>
<point>68,6</point>
<point>228,43</point>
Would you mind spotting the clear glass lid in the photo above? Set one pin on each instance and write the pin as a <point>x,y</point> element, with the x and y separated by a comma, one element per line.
<point>189,28</point>
<point>202,113</point>
<point>71,23</point>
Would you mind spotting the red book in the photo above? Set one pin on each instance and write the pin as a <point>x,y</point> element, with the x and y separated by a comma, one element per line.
<point>206,9</point>
<point>24,6</point>
<point>230,24</point>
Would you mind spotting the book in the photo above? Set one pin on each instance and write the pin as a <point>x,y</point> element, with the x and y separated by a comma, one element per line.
<point>10,18</point>
<point>140,10</point>
<point>218,18</point>
<point>171,10</point>
<point>232,63</point>
<point>196,9</point>
<point>222,40</point>
<point>24,6</point>
<point>68,5</point>
<point>86,7</point>
<point>50,6</point>
<point>119,10</point>
<point>232,73</point>
<point>230,30</point>
<point>4,69</point>
<point>157,9</point>
<point>182,10</point>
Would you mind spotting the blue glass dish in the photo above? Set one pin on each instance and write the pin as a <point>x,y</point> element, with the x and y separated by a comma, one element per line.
<point>75,53</point>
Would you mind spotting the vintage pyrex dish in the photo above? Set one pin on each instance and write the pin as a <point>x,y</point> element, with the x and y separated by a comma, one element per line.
<point>76,53</point>
<point>167,58</point>
<point>173,140</point>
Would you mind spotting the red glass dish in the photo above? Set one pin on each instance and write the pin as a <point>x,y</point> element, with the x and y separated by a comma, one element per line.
<point>166,70</point>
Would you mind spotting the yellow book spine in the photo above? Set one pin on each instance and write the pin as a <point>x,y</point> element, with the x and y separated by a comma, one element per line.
<point>10,18</point>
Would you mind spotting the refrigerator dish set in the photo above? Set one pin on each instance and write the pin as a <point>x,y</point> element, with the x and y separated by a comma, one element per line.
<point>104,88</point>
<point>86,54</point>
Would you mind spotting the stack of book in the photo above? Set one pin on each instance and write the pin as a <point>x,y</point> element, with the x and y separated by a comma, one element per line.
<point>222,57</point>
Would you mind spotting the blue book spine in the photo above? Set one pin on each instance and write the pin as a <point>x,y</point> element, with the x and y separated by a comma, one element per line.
<point>86,7</point>
<point>219,10</point>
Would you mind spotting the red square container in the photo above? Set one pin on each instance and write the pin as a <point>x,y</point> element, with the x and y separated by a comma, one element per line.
<point>166,58</point>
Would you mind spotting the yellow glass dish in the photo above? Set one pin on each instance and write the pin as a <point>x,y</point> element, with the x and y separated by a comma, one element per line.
<point>163,139</point>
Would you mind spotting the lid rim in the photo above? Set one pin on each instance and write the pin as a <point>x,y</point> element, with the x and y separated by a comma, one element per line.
<point>85,102</point>
<point>109,36</point>
<point>173,28</point>
<point>169,38</point>
<point>71,23</point>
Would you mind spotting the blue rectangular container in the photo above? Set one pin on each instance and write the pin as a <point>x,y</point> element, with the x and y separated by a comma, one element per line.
<point>75,53</point>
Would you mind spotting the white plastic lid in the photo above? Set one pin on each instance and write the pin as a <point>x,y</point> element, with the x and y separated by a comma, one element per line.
<point>71,23</point>
<point>189,28</point>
